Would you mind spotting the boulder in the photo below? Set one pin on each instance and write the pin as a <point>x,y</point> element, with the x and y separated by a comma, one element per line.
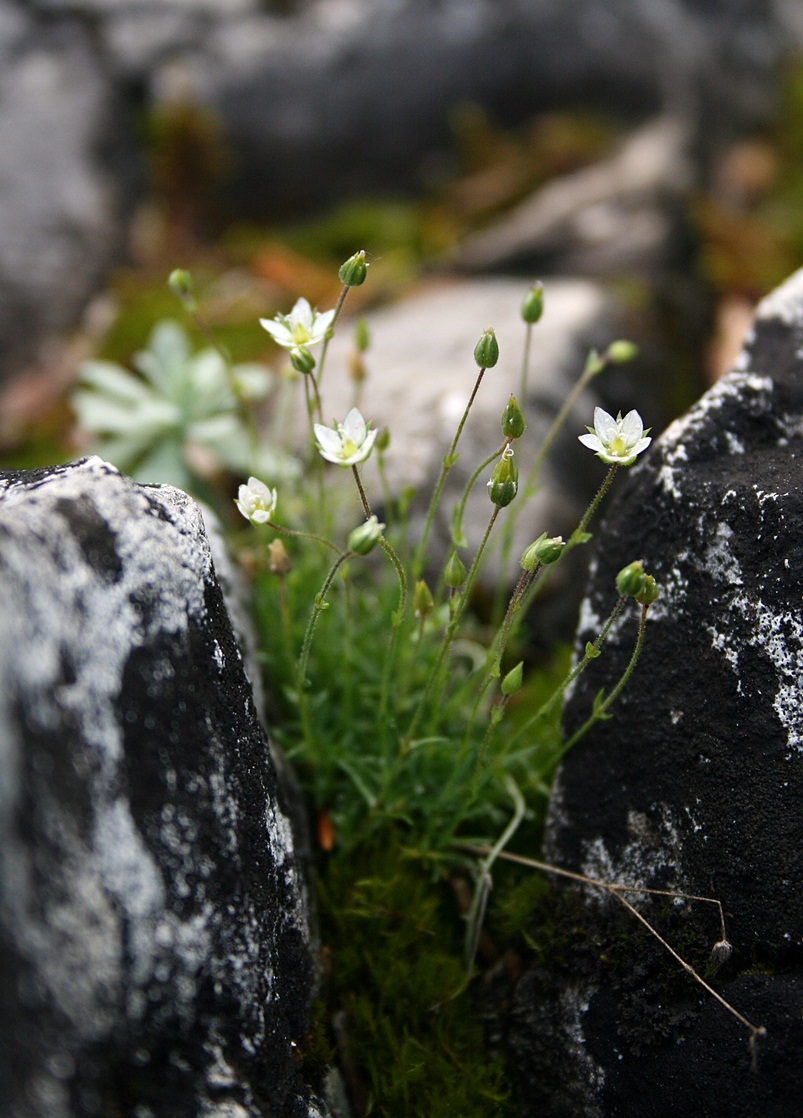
<point>62,129</point>
<point>157,957</point>
<point>695,784</point>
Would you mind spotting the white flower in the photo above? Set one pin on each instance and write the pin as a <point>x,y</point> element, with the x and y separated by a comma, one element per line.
<point>616,441</point>
<point>301,327</point>
<point>256,502</point>
<point>347,443</point>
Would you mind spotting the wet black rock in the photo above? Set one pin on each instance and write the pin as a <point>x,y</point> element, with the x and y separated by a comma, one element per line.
<point>156,956</point>
<point>696,783</point>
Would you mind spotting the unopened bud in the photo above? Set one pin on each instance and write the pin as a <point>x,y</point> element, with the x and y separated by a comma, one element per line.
<point>513,680</point>
<point>630,580</point>
<point>512,420</point>
<point>545,550</point>
<point>356,368</point>
<point>486,351</point>
<point>649,592</point>
<point>422,599</point>
<point>533,306</point>
<point>382,439</point>
<point>504,483</point>
<point>278,559</point>
<point>362,336</point>
<point>180,283</point>
<point>301,359</point>
<point>621,351</point>
<point>454,574</point>
<point>364,538</point>
<point>354,271</point>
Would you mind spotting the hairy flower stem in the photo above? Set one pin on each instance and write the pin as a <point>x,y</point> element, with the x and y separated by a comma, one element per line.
<point>577,535</point>
<point>338,308</point>
<point>448,462</point>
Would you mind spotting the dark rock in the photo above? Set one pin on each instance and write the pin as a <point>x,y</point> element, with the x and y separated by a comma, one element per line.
<point>696,783</point>
<point>156,954</point>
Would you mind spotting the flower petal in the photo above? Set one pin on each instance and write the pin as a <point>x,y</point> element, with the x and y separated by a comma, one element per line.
<point>631,428</point>
<point>328,440</point>
<point>604,425</point>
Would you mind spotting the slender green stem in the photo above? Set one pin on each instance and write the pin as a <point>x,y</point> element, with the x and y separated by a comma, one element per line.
<point>361,490</point>
<point>477,911</point>
<point>338,308</point>
<point>448,462</point>
<point>435,681</point>
<point>600,709</point>
<point>581,384</point>
<point>525,363</point>
<point>317,609</point>
<point>560,690</point>
<point>303,535</point>
<point>457,526</point>
<point>577,535</point>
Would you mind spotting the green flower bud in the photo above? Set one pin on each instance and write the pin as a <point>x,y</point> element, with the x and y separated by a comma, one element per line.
<point>512,420</point>
<point>513,680</point>
<point>631,579</point>
<point>180,283</point>
<point>621,351</point>
<point>354,271</point>
<point>365,538</point>
<point>301,359</point>
<point>649,592</point>
<point>454,574</point>
<point>533,306</point>
<point>504,483</point>
<point>486,351</point>
<point>382,439</point>
<point>422,599</point>
<point>362,336</point>
<point>545,550</point>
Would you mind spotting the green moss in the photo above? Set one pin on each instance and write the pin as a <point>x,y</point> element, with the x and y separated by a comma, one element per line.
<point>409,1037</point>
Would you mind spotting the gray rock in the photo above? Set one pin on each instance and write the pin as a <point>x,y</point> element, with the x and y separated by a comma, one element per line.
<point>60,202</point>
<point>620,215</point>
<point>696,783</point>
<point>156,952</point>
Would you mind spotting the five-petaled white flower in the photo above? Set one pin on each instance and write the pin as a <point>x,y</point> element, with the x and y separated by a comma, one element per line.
<point>348,443</point>
<point>616,441</point>
<point>301,327</point>
<point>256,502</point>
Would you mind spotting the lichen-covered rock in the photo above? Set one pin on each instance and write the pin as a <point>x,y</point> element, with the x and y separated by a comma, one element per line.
<point>697,782</point>
<point>154,934</point>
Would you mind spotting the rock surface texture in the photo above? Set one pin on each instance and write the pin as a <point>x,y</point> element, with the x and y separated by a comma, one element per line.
<point>154,936</point>
<point>696,783</point>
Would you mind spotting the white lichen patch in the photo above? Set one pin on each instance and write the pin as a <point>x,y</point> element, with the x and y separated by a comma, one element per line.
<point>653,847</point>
<point>745,620</point>
<point>785,303</point>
